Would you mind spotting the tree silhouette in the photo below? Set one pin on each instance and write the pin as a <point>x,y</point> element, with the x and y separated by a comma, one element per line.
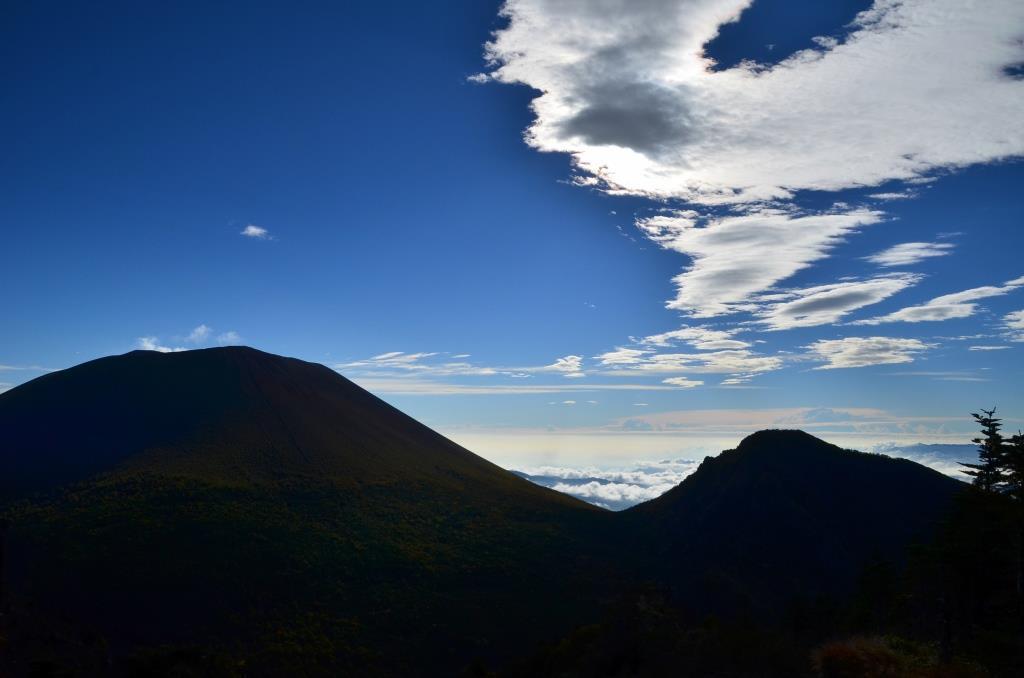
<point>988,472</point>
<point>1013,470</point>
<point>3,539</point>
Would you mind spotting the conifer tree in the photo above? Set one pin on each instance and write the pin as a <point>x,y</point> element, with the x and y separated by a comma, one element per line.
<point>988,472</point>
<point>1013,467</point>
<point>1013,463</point>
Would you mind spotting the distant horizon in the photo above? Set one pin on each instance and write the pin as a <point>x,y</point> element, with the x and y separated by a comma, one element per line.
<point>618,468</point>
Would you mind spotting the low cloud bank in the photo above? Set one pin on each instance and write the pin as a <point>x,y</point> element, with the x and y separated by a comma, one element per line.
<point>615,489</point>
<point>619,489</point>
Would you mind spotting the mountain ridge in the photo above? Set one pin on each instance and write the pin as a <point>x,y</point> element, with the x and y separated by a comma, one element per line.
<point>250,498</point>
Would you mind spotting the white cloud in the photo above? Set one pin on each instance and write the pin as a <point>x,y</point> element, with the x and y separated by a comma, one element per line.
<point>701,338</point>
<point>199,334</point>
<point>257,232</point>
<point>736,257</point>
<point>712,362</point>
<point>826,304</point>
<point>988,348</point>
<point>1015,323</point>
<point>943,458</point>
<point>623,356</point>
<point>865,351</point>
<point>892,196</point>
<point>626,89</point>
<point>569,366</point>
<point>915,87</point>
<point>818,420</point>
<point>432,388</point>
<point>396,360</point>
<point>442,365</point>
<point>1014,320</point>
<point>153,344</point>
<point>614,488</point>
<point>27,368</point>
<point>909,253</point>
<point>682,382</point>
<point>612,492</point>
<point>946,307</point>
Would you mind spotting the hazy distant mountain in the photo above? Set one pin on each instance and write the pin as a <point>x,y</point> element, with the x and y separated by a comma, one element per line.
<point>266,511</point>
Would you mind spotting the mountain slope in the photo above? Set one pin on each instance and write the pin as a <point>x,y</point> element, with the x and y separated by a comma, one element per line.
<point>271,510</point>
<point>243,512</point>
<point>788,514</point>
<point>233,414</point>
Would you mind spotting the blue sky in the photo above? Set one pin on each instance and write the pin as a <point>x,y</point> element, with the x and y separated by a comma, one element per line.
<point>493,218</point>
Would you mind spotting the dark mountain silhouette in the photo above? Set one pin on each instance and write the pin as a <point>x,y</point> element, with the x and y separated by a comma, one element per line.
<point>256,514</point>
<point>231,414</point>
<point>238,499</point>
<point>787,508</point>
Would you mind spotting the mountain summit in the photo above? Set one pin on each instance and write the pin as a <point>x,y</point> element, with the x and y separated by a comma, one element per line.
<point>788,508</point>
<point>232,414</point>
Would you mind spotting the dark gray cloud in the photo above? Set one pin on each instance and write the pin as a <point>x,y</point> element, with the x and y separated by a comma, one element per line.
<point>642,116</point>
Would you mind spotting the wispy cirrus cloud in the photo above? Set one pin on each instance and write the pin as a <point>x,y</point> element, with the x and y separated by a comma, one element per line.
<point>700,337</point>
<point>944,375</point>
<point>633,361</point>
<point>947,306</point>
<point>826,421</point>
<point>25,368</point>
<point>827,304</point>
<point>429,387</point>
<point>1014,322</point>
<point>729,263</point>
<point>440,364</point>
<point>892,195</point>
<point>909,253</point>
